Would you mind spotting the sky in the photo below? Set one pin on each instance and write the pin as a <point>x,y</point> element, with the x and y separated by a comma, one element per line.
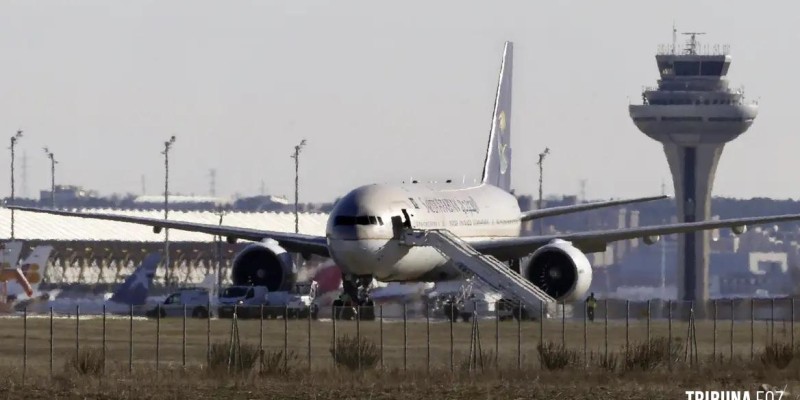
<point>381,91</point>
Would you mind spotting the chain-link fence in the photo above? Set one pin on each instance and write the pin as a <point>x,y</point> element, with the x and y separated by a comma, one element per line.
<point>398,337</point>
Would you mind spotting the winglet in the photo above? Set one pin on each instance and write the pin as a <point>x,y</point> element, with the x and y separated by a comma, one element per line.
<point>497,166</point>
<point>553,211</point>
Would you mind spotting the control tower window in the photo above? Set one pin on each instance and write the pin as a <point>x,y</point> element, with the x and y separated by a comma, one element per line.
<point>687,68</point>
<point>712,68</point>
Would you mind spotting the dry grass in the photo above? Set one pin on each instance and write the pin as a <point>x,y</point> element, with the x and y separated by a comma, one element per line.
<point>402,371</point>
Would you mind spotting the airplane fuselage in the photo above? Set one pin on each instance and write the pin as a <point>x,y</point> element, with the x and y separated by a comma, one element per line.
<point>361,237</point>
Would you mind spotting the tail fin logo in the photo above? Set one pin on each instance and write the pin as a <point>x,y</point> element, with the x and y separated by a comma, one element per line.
<point>502,147</point>
<point>31,272</point>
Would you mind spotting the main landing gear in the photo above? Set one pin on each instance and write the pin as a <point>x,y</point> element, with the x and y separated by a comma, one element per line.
<point>354,301</point>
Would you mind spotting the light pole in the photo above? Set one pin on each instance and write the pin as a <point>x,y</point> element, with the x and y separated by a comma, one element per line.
<point>296,157</point>
<point>53,163</point>
<point>167,145</point>
<point>221,212</point>
<point>14,140</point>
<point>542,155</point>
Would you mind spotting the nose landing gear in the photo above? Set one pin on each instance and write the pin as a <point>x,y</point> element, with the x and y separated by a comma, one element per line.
<point>354,302</point>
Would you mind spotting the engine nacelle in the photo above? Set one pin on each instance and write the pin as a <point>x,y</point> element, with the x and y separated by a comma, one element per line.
<point>264,264</point>
<point>561,270</point>
<point>651,239</point>
<point>739,229</point>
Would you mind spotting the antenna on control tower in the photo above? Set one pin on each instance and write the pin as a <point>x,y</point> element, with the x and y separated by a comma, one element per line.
<point>691,48</point>
<point>674,38</point>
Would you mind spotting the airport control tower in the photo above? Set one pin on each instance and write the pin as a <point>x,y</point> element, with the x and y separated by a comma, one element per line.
<point>693,113</point>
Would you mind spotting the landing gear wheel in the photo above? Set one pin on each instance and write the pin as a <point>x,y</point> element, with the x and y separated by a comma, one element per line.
<point>367,311</point>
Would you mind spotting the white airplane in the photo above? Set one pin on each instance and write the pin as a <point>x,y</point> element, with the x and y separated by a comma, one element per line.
<point>368,230</point>
<point>34,268</point>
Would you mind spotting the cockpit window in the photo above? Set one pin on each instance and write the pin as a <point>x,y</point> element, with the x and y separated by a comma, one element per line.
<point>346,220</point>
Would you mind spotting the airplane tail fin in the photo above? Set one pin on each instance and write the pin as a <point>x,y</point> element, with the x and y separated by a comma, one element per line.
<point>9,254</point>
<point>497,167</point>
<point>136,286</point>
<point>35,266</point>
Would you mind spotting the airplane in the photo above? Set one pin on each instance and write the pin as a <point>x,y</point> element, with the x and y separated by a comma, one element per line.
<point>34,268</point>
<point>367,233</point>
<point>130,293</point>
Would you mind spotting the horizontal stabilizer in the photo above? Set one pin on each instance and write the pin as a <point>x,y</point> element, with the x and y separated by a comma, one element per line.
<point>552,211</point>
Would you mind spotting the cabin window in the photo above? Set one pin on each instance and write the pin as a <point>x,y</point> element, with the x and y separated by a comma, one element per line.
<point>360,220</point>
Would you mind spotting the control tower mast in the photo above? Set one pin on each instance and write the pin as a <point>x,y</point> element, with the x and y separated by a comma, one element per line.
<point>693,113</point>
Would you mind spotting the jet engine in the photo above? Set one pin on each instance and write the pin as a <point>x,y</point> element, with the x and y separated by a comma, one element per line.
<point>561,270</point>
<point>265,263</point>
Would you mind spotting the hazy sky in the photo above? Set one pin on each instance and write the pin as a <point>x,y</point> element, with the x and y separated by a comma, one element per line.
<point>381,90</point>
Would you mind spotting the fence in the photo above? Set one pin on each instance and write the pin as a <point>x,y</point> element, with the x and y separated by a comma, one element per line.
<point>400,338</point>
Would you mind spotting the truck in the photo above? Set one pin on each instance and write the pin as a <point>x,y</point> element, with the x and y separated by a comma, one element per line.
<point>196,301</point>
<point>250,301</point>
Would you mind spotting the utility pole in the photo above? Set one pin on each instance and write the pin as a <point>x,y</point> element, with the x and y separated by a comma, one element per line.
<point>221,212</point>
<point>540,163</point>
<point>167,145</point>
<point>53,163</point>
<point>296,157</point>
<point>24,174</point>
<point>212,175</point>
<point>583,190</point>
<point>14,140</point>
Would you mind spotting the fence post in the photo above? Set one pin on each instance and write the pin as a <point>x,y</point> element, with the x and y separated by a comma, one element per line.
<point>77,331</point>
<point>130,339</point>
<point>585,337</point>
<point>405,339</point>
<point>183,348</point>
<point>308,353</point>
<point>51,342</point>
<point>335,352</point>
<point>104,339</point>
<point>563,324</point>
<point>158,337</point>
<point>669,334</point>
<point>286,337</point>
<point>358,336</point>
<point>733,316</point>
<point>791,328</point>
<point>627,325</point>
<point>496,332</point>
<point>519,337</point>
<point>208,333</point>
<point>714,334</point>
<point>541,332</point>
<point>606,330</point>
<point>380,328</point>
<point>24,344</point>
<point>261,338</point>
<point>752,328</point>
<point>450,319</point>
<point>772,321</point>
<point>428,336</point>
<point>648,325</point>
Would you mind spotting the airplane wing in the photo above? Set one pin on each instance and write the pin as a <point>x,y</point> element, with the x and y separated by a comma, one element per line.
<point>593,242</point>
<point>549,212</point>
<point>293,242</point>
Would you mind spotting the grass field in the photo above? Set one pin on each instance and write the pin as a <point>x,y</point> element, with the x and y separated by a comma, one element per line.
<point>157,368</point>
